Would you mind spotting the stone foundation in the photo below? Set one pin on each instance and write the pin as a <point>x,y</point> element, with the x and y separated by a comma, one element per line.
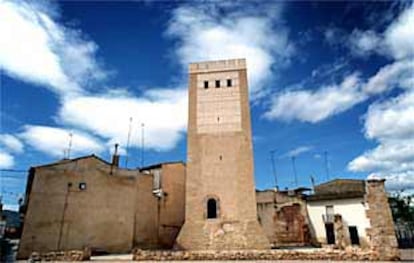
<point>222,235</point>
<point>71,255</point>
<point>350,254</point>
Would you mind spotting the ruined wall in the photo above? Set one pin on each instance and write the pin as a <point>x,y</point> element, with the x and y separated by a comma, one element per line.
<point>283,218</point>
<point>62,216</point>
<point>381,233</point>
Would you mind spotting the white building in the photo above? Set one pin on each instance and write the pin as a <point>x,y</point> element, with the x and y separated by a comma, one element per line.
<point>337,213</point>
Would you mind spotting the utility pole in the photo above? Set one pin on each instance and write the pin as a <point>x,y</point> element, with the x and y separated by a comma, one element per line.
<point>272,159</point>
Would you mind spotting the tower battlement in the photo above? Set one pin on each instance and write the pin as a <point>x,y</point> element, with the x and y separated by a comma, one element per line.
<point>218,65</point>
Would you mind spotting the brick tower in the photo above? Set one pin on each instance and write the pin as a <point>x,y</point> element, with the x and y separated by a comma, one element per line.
<point>220,195</point>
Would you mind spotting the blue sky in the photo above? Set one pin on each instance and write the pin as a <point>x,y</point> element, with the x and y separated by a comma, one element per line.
<point>323,76</point>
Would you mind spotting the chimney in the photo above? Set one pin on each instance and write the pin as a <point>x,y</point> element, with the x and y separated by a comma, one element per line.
<point>115,157</point>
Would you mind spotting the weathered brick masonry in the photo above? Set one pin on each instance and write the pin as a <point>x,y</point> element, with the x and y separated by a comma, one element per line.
<point>381,233</point>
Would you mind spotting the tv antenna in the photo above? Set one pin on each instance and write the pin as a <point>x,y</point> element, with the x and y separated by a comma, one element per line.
<point>142,144</point>
<point>70,144</point>
<point>294,170</point>
<point>272,159</point>
<point>128,139</point>
<point>325,154</point>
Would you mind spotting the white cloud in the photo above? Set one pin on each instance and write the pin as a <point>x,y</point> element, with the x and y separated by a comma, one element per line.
<point>40,50</point>
<point>392,119</point>
<point>391,123</point>
<point>316,105</point>
<point>396,41</point>
<point>6,160</point>
<point>37,49</point>
<point>299,150</point>
<point>205,35</point>
<point>363,43</point>
<point>398,74</point>
<point>54,141</point>
<point>11,143</point>
<point>163,112</point>
<point>396,181</point>
<point>399,36</point>
<point>11,207</point>
<point>390,156</point>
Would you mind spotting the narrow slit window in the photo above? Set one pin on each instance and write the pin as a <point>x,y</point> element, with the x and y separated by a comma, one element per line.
<point>229,83</point>
<point>206,84</point>
<point>217,83</point>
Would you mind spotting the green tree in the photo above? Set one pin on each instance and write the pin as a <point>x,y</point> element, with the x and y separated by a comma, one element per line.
<point>402,207</point>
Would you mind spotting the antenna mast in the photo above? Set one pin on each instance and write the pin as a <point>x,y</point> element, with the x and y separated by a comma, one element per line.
<point>325,154</point>
<point>312,181</point>
<point>142,144</point>
<point>127,146</point>
<point>294,170</point>
<point>272,159</point>
<point>70,144</point>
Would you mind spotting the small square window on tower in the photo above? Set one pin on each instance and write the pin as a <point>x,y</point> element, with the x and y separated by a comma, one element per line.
<point>229,83</point>
<point>206,84</point>
<point>217,83</point>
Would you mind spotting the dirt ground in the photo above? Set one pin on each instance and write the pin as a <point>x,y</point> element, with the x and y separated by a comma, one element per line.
<point>407,254</point>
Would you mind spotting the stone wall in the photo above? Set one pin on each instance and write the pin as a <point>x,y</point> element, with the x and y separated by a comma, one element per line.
<point>319,254</point>
<point>284,218</point>
<point>381,233</point>
<point>71,255</point>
